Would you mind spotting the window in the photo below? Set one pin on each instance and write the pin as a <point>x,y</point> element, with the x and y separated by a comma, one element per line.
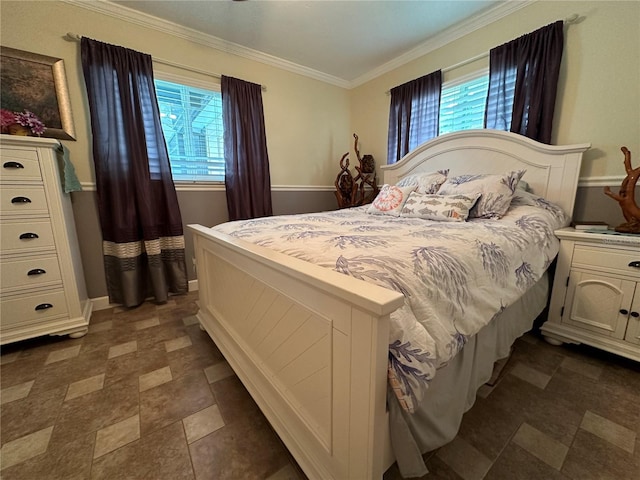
<point>192,124</point>
<point>462,103</point>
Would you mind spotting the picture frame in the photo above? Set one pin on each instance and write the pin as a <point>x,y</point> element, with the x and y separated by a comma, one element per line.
<point>38,83</point>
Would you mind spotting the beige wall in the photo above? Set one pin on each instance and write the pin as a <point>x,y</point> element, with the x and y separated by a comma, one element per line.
<point>307,121</point>
<point>599,90</point>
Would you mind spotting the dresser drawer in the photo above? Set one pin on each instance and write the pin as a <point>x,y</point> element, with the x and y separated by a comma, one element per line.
<point>19,165</point>
<point>606,259</point>
<point>19,310</point>
<point>16,275</point>
<point>23,200</point>
<point>19,237</point>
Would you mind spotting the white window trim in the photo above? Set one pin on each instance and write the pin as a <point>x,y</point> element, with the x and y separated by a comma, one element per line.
<point>191,82</point>
<point>466,78</point>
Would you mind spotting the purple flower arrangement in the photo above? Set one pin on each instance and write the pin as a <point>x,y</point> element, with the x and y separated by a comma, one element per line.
<point>26,119</point>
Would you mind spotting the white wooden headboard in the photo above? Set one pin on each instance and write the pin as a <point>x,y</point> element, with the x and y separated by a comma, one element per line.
<point>551,171</point>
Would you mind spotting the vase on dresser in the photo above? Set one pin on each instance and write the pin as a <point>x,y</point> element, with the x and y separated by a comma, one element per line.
<point>42,289</point>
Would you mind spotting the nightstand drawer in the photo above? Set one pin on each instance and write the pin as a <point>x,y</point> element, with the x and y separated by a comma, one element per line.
<point>20,201</point>
<point>606,259</point>
<point>32,308</point>
<point>20,165</point>
<point>24,237</point>
<point>32,272</point>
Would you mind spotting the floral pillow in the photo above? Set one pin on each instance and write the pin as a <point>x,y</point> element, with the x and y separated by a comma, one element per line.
<point>442,208</point>
<point>390,200</point>
<point>425,182</point>
<point>496,191</point>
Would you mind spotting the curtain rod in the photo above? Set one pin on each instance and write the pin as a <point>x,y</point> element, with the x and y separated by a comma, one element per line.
<point>75,37</point>
<point>571,19</point>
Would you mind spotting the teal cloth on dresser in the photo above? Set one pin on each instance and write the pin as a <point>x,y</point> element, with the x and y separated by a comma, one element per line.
<point>70,182</point>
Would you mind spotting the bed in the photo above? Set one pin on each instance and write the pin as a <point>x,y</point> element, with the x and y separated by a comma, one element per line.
<point>312,345</point>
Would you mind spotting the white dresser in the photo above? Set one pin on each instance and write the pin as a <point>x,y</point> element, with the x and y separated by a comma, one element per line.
<point>42,289</point>
<point>596,292</point>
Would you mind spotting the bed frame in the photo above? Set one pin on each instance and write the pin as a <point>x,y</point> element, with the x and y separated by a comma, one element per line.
<point>310,344</point>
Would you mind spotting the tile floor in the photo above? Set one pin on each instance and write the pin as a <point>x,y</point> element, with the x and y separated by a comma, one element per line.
<point>147,395</point>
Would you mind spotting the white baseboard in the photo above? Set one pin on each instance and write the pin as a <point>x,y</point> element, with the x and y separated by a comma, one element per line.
<point>102,303</point>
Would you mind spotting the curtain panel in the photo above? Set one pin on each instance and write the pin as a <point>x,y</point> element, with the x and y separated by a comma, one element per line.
<point>523,83</point>
<point>143,242</point>
<point>414,114</point>
<point>247,178</point>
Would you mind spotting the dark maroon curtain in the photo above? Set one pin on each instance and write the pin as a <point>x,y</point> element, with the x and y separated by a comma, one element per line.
<point>523,82</point>
<point>247,179</point>
<point>141,224</point>
<point>414,114</point>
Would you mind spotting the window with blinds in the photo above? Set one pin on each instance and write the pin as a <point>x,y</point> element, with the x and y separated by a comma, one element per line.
<point>462,104</point>
<point>192,125</point>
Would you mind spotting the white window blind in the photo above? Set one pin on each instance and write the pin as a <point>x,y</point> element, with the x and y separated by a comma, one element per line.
<point>462,104</point>
<point>192,125</point>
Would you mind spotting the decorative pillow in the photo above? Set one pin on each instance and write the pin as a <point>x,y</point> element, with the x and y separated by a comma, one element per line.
<point>425,182</point>
<point>390,200</point>
<point>496,192</point>
<point>442,208</point>
<point>522,185</point>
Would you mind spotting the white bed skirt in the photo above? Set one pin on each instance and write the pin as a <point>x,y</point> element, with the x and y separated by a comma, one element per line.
<point>453,390</point>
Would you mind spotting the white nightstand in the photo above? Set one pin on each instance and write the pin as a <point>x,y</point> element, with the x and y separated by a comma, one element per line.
<point>596,292</point>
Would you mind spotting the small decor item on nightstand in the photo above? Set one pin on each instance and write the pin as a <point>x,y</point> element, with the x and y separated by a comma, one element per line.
<point>353,192</point>
<point>590,225</point>
<point>626,197</point>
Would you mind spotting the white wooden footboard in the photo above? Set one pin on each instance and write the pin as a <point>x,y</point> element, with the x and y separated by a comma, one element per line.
<point>309,344</point>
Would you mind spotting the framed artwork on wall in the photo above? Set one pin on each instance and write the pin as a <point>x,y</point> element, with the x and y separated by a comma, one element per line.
<point>38,83</point>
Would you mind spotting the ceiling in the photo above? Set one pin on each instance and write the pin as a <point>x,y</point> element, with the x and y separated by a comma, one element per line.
<point>342,40</point>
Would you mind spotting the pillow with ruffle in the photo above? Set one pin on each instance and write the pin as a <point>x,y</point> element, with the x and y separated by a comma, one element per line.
<point>390,200</point>
<point>496,191</point>
<point>441,208</point>
<point>425,182</point>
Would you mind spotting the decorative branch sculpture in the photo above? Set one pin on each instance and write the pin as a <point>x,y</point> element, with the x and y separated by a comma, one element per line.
<point>345,186</point>
<point>353,192</point>
<point>626,197</point>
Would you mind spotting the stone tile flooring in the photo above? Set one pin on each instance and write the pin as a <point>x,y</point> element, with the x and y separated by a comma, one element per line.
<point>147,395</point>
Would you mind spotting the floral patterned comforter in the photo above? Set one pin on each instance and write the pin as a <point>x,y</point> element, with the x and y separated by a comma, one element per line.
<point>455,277</point>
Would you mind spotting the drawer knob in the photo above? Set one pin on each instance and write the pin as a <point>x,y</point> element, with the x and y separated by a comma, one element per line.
<point>624,311</point>
<point>36,271</point>
<point>20,200</point>
<point>44,306</point>
<point>635,314</point>
<point>13,165</point>
<point>635,264</point>
<point>28,236</point>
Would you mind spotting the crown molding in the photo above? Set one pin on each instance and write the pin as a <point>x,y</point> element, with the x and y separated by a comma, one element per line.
<point>449,35</point>
<point>144,20</point>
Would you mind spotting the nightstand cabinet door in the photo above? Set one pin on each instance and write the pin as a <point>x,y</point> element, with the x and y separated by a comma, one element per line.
<point>598,303</point>
<point>633,328</point>
<point>596,292</point>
